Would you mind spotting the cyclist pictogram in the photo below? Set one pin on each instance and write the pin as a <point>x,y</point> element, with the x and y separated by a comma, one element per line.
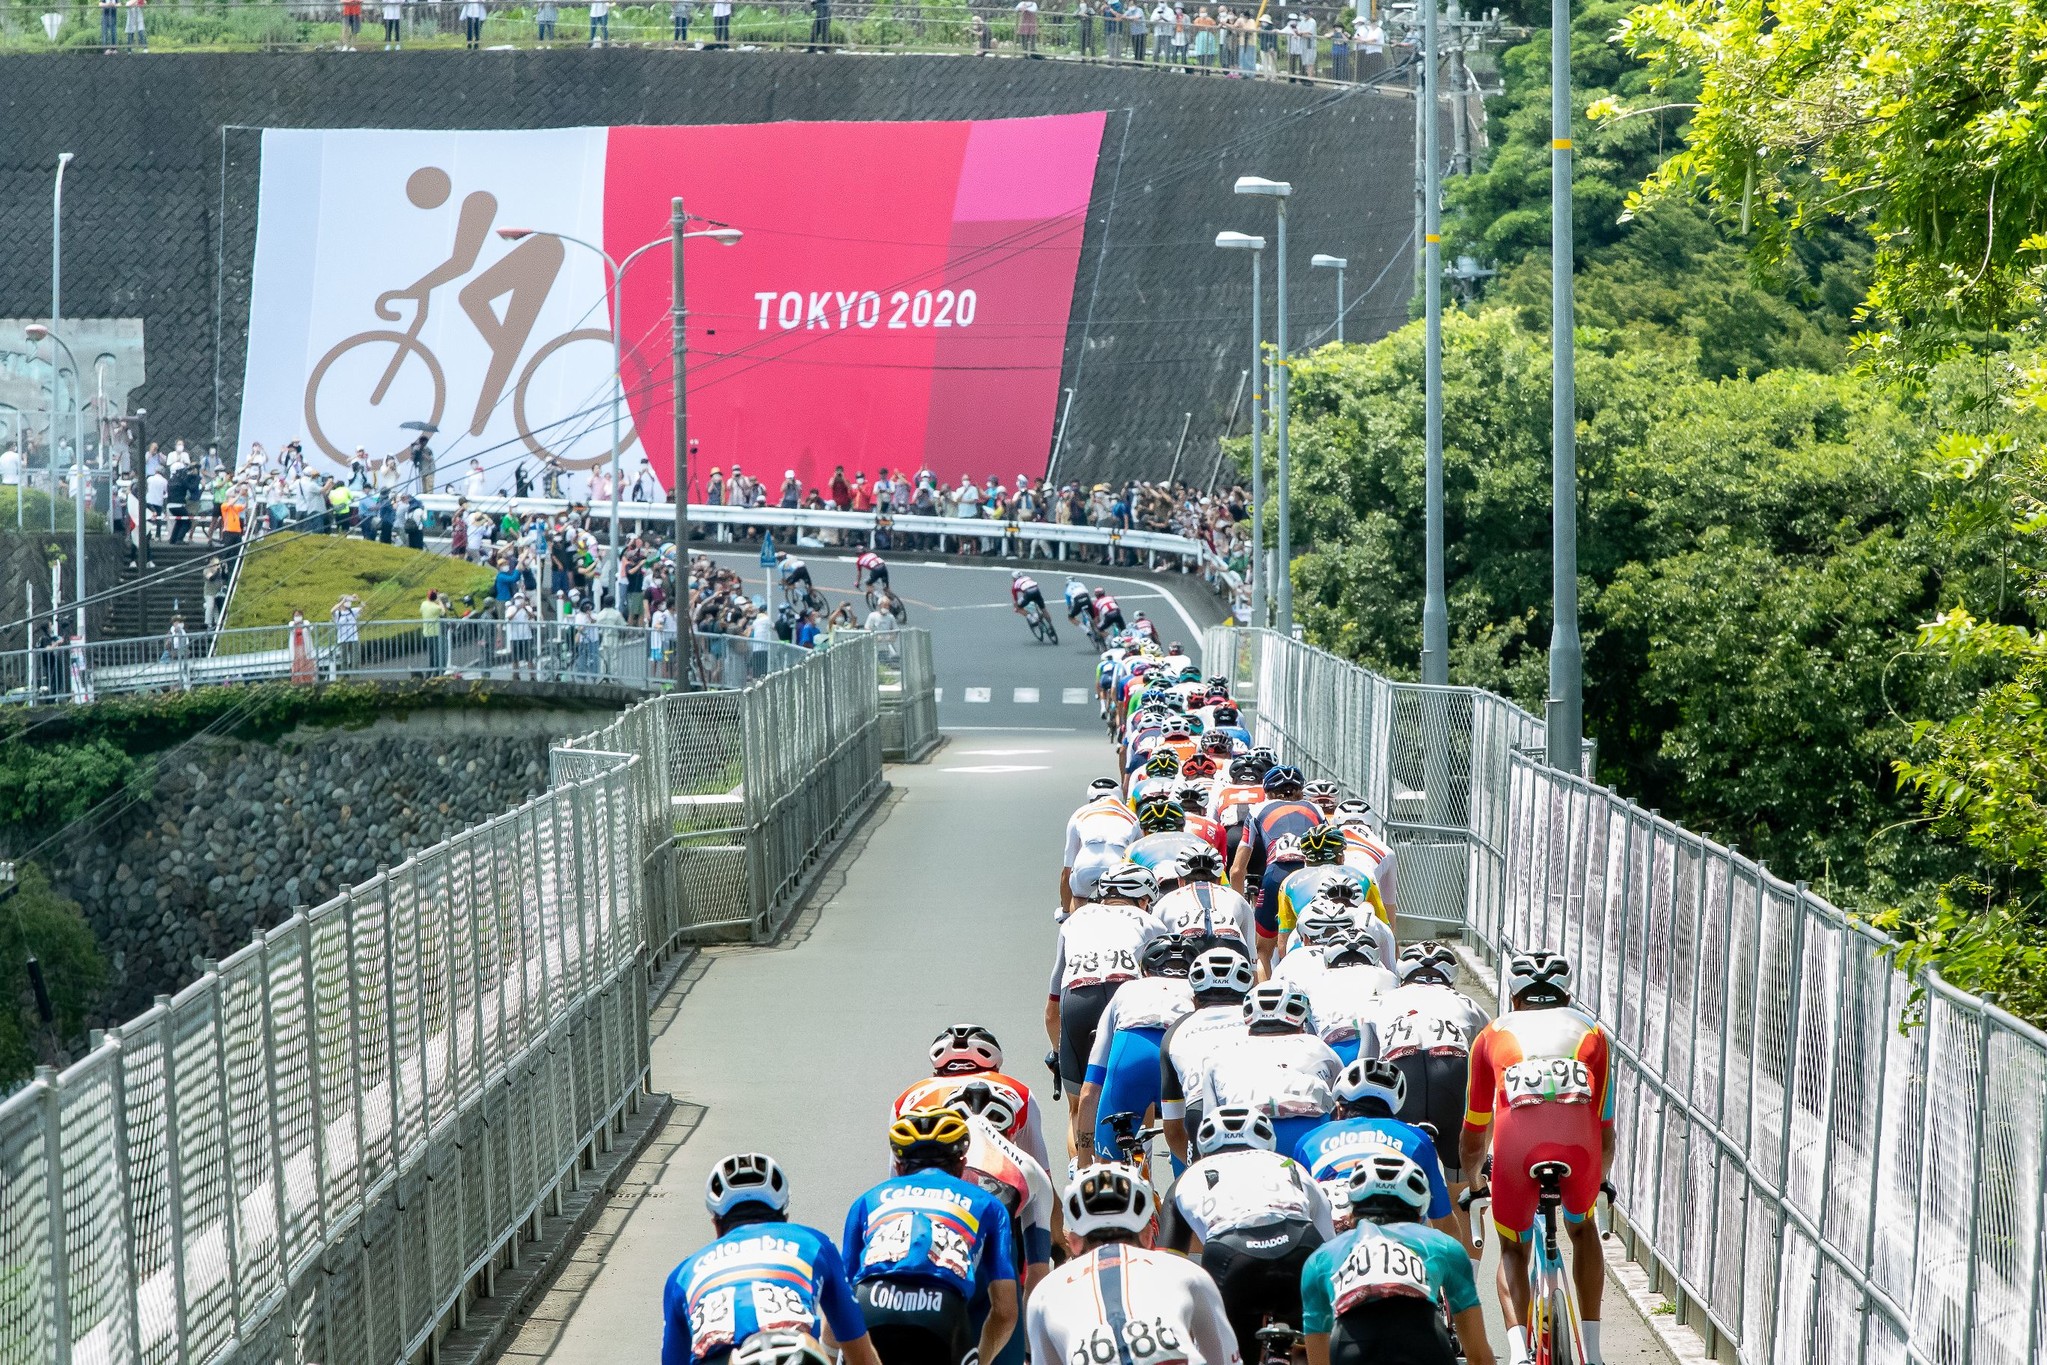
<point>522,278</point>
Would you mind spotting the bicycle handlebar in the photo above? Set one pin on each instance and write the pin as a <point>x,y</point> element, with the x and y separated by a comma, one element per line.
<point>1052,1065</point>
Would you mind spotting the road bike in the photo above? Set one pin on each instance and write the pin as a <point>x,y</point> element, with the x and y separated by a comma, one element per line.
<point>1276,1341</point>
<point>1554,1335</point>
<point>1132,1141</point>
<point>895,605</point>
<point>1040,622</point>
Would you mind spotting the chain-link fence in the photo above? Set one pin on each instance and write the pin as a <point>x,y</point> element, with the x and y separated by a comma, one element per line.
<point>909,694</point>
<point>309,1153</point>
<point>1823,1159</point>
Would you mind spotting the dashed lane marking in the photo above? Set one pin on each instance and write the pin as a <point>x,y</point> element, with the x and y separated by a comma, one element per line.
<point>976,695</point>
<point>1073,696</point>
<point>1025,696</point>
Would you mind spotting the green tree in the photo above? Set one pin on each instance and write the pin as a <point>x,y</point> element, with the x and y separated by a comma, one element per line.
<point>36,921</point>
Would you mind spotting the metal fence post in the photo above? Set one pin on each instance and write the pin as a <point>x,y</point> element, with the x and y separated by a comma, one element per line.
<point>126,1197</point>
<point>174,1202</point>
<point>230,1223</point>
<point>1795,971</point>
<point>313,1056</point>
<point>1968,1314</point>
<point>276,1132</point>
<point>53,1176</point>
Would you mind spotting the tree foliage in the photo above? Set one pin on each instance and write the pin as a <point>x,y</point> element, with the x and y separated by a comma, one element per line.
<point>37,921</point>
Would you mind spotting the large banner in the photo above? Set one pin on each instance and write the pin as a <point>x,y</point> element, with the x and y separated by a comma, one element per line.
<point>899,296</point>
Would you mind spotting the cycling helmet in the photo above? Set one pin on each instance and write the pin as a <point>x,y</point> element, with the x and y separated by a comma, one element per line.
<point>1164,763</point>
<point>1277,1002</point>
<point>1103,786</point>
<point>746,1178</point>
<point>1193,795</point>
<point>1161,814</point>
<point>1109,1197</point>
<point>1350,819</point>
<point>1225,715</point>
<point>1343,891</point>
<point>1351,948</point>
<point>1217,743</point>
<point>1265,752</point>
<point>1323,846</point>
<point>1429,961</point>
<point>1164,956</point>
<point>1222,969</point>
<point>1285,849</point>
<point>1354,806</point>
<point>1191,673</point>
<point>1197,765</point>
<point>1322,792</point>
<point>1234,1126</point>
<point>992,1104</point>
<point>1539,978</point>
<point>1245,769</point>
<point>1015,574</point>
<point>781,1347</point>
<point>1201,865</point>
<point>1284,781</point>
<point>1372,1078</point>
<point>1323,920</point>
<point>965,1048</point>
<point>1218,686</point>
<point>930,1135</point>
<point>1393,1182</point>
<point>1127,881</point>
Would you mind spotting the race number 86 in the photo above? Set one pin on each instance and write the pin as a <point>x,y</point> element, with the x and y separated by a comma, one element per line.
<point>1144,1340</point>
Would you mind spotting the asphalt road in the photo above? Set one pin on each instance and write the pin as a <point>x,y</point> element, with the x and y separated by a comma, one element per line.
<point>939,912</point>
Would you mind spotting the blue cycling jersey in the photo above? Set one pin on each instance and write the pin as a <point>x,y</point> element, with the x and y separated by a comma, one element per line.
<point>1330,1151</point>
<point>932,1227</point>
<point>756,1278</point>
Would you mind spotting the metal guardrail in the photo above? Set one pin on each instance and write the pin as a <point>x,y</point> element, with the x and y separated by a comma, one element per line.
<point>909,694</point>
<point>1814,1178</point>
<point>315,1150</point>
<point>475,647</point>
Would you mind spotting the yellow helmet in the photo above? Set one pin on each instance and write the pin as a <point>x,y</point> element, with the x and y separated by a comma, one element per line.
<point>940,1133</point>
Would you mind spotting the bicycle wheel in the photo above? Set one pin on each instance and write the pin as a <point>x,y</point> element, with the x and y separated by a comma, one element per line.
<point>592,418</point>
<point>405,343</point>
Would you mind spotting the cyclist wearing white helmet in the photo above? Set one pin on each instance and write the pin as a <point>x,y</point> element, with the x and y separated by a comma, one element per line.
<point>1344,986</point>
<point>1076,598</point>
<point>1379,1292</point>
<point>963,1055</point>
<point>1277,1066</point>
<point>1339,900</point>
<point>1096,836</point>
<point>1322,866</point>
<point>1220,979</point>
<point>1118,1300</point>
<point>1369,850</point>
<point>1251,1214</point>
<point>1370,1096</point>
<point>1100,947</point>
<point>782,1348</point>
<point>1202,907</point>
<point>1123,1066</point>
<point>1426,1028</point>
<point>763,1273</point>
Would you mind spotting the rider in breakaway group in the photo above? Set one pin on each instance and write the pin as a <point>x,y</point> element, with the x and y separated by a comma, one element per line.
<point>1274,1111</point>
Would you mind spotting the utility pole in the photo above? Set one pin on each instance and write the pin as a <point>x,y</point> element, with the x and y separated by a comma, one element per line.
<point>1435,603</point>
<point>1564,721</point>
<point>1460,126</point>
<point>678,380</point>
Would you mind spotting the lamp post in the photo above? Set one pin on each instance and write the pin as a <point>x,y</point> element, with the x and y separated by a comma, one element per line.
<point>1435,600</point>
<point>36,332</point>
<point>1564,717</point>
<point>678,222</point>
<point>617,269</point>
<point>1339,264</point>
<point>1279,191</point>
<point>1238,241</point>
<point>56,321</point>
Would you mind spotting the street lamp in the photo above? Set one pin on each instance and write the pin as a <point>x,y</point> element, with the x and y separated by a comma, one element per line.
<point>727,236</point>
<point>1279,191</point>
<point>1239,241</point>
<point>37,332</point>
<point>1339,264</point>
<point>1564,717</point>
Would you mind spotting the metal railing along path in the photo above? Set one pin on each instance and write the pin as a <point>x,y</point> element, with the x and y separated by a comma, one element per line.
<point>324,1146</point>
<point>909,694</point>
<point>1823,1159</point>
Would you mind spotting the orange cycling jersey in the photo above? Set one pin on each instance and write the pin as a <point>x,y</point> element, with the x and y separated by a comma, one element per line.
<point>1515,1062</point>
<point>937,1091</point>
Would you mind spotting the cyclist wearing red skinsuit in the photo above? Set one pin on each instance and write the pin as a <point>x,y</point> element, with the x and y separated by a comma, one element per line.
<point>962,1055</point>
<point>1542,1090</point>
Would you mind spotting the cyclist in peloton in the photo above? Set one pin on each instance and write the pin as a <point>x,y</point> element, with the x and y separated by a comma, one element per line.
<point>1369,1094</point>
<point>1024,589</point>
<point>1425,1031</point>
<point>795,575</point>
<point>1282,815</point>
<point>870,571</point>
<point>762,1274</point>
<point>1165,838</point>
<point>1322,849</point>
<point>1368,850</point>
<point>1343,900</point>
<point>1108,616</point>
<point>1377,1294</point>
<point>1009,1173</point>
<point>1096,836</point>
<point>1277,1067</point>
<point>1542,1090</point>
<point>1077,600</point>
<point>931,1252</point>
<point>1100,946</point>
<point>1202,908</point>
<point>1123,1065</point>
<point>1251,1214</point>
<point>1220,979</point>
<point>1118,1302</point>
<point>1344,986</point>
<point>968,1054</point>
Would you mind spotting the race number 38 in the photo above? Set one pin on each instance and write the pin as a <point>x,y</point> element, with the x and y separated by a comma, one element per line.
<point>1563,1080</point>
<point>1149,1343</point>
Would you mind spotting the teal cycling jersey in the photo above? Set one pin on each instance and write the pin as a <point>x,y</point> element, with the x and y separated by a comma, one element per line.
<point>1375,1263</point>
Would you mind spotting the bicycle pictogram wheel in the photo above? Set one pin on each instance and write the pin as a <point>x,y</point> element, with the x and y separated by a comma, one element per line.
<point>405,342</point>
<point>597,411</point>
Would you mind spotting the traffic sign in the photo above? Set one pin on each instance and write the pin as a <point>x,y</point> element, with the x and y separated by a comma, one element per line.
<point>768,557</point>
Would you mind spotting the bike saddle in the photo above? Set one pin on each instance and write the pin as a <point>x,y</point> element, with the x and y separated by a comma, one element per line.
<point>1544,1172</point>
<point>1277,1333</point>
<point>1122,1125</point>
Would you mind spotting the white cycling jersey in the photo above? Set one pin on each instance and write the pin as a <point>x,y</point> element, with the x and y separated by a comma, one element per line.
<point>1248,1188</point>
<point>1183,1054</point>
<point>1096,836</point>
<point>1361,918</point>
<point>1123,1305</point>
<point>1343,1002</point>
<point>1375,856</point>
<point>1148,1002</point>
<point>1101,943</point>
<point>1421,1017</point>
<point>1288,1075</point>
<point>1207,908</point>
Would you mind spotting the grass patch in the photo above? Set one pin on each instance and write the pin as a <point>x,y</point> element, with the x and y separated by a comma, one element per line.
<point>289,570</point>
<point>35,511</point>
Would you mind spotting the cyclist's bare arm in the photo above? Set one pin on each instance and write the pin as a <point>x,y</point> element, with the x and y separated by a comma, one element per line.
<point>1470,1325</point>
<point>1002,1316</point>
<point>1318,1348</point>
<point>472,230</point>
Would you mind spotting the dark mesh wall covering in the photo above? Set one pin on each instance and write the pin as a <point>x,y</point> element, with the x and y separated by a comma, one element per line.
<point>160,203</point>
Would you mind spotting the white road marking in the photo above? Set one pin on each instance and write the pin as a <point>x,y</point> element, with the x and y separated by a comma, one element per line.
<point>998,768</point>
<point>1073,696</point>
<point>1025,696</point>
<point>938,694</point>
<point>977,694</point>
